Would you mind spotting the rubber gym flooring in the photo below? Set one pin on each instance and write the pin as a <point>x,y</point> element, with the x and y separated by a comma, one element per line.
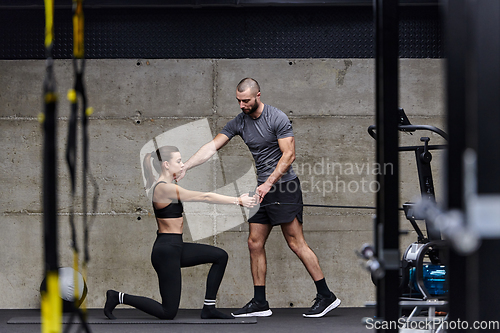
<point>345,320</point>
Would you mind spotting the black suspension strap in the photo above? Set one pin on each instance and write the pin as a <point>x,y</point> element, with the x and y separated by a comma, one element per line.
<point>251,194</point>
<point>324,206</point>
<point>78,92</point>
<point>315,205</point>
<point>51,305</point>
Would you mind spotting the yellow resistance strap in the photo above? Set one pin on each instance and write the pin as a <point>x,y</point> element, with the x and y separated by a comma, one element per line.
<point>51,305</point>
<point>49,22</point>
<point>78,27</point>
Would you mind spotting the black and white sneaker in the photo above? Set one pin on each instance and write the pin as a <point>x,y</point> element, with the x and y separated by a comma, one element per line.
<point>253,309</point>
<point>322,305</point>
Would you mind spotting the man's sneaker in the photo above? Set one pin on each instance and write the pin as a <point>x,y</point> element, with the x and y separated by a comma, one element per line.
<point>322,305</point>
<point>253,309</point>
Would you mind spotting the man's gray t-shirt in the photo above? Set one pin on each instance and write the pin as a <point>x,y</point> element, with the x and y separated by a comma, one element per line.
<point>261,136</point>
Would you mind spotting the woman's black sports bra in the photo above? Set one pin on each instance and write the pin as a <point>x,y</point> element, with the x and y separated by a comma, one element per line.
<point>173,210</point>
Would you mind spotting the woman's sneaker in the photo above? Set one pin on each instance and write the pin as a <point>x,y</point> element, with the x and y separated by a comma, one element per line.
<point>253,309</point>
<point>322,305</point>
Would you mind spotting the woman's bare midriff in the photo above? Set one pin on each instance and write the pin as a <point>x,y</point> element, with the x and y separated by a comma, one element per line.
<point>170,226</point>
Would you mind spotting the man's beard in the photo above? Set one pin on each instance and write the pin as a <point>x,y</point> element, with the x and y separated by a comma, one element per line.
<point>252,110</point>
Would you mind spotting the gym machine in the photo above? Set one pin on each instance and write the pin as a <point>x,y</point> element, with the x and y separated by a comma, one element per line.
<point>423,271</point>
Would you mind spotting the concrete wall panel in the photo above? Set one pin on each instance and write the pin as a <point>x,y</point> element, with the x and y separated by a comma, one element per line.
<point>331,104</point>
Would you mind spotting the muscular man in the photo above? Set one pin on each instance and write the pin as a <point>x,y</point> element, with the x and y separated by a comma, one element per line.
<point>268,134</point>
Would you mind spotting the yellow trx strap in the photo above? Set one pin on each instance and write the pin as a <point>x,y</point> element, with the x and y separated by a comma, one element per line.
<point>49,23</point>
<point>51,304</point>
<point>78,27</point>
<point>78,92</point>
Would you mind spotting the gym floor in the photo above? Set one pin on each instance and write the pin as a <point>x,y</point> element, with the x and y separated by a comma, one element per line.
<point>345,320</point>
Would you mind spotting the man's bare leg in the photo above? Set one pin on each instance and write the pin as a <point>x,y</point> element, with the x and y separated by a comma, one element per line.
<point>257,238</point>
<point>294,236</point>
<point>256,245</point>
<point>325,300</point>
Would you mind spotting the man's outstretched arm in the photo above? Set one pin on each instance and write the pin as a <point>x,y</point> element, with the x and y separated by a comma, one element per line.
<point>204,153</point>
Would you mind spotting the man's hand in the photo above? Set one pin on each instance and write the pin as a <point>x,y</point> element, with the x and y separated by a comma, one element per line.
<point>181,174</point>
<point>262,190</point>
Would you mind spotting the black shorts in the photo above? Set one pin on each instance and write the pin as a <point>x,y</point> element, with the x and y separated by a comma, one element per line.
<point>289,195</point>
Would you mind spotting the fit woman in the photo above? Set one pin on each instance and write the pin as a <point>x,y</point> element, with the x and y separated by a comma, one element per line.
<point>170,253</point>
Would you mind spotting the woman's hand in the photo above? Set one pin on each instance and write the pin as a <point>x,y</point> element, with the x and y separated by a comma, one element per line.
<point>247,201</point>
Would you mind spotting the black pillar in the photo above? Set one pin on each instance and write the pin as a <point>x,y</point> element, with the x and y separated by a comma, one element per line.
<point>456,52</point>
<point>485,140</point>
<point>387,223</point>
<point>473,46</point>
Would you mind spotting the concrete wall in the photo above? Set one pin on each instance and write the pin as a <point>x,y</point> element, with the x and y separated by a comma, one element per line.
<point>331,104</point>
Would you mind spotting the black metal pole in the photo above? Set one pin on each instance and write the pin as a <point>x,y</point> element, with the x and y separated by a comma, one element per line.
<point>486,53</point>
<point>456,53</point>
<point>387,223</point>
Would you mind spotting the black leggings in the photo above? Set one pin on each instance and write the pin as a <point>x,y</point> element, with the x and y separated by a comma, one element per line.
<point>169,254</point>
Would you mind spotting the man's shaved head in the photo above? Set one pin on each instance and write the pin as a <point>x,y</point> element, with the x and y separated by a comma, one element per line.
<point>248,83</point>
